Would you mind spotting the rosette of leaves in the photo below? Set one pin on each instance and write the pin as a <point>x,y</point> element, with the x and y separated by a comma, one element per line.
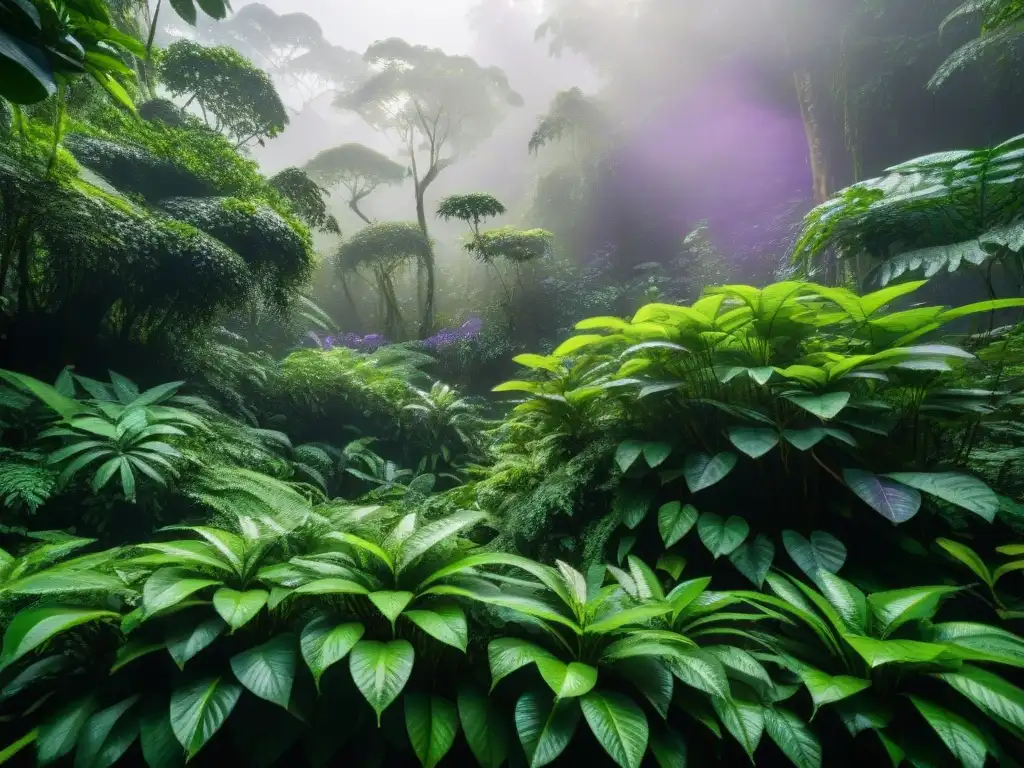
<point>447,424</point>
<point>879,661</point>
<point>44,44</point>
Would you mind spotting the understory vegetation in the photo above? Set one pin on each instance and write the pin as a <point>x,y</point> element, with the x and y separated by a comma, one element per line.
<point>705,522</point>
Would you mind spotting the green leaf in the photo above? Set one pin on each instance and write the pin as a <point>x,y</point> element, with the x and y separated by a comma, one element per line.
<point>668,748</point>
<point>755,443</point>
<point>505,655</point>
<point>239,608</point>
<point>656,453</point>
<point>826,406</point>
<point>331,587</point>
<point>895,608</point>
<point>990,693</point>
<point>484,726</point>
<point>432,723</point>
<point>632,504</point>
<point>743,666</point>
<point>169,586</point>
<point>186,9</point>
<point>894,501</point>
<point>268,670</point>
<point>133,650</point>
<point>822,552</point>
<point>671,564</point>
<point>699,669</point>
<point>964,491</point>
<point>576,343</point>
<point>619,725</point>
<point>879,652</point>
<point>184,642</point>
<point>980,642</point>
<point>64,406</point>
<point>684,593</point>
<point>324,643</point>
<point>862,713</point>
<point>827,689</point>
<point>32,627</point>
<point>545,728</point>
<point>391,604</point>
<point>567,680</point>
<point>893,750</point>
<point>107,735</point>
<point>652,678</point>
<point>445,623</point>
<point>848,601</point>
<point>58,733</point>
<point>721,537</point>
<point>743,719</point>
<point>961,738</point>
<point>793,737</point>
<point>199,709</point>
<point>968,557</point>
<point>381,670</point>
<point>434,533</point>
<point>805,439</point>
<point>627,453</point>
<point>754,558</point>
<point>160,746</point>
<point>675,520</point>
<point>702,470</point>
<point>625,545</point>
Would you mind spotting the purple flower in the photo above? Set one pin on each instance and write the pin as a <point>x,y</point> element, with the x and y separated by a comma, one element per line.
<point>448,336</point>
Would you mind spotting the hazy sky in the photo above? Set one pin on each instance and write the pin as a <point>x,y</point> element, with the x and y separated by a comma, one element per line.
<point>355,24</point>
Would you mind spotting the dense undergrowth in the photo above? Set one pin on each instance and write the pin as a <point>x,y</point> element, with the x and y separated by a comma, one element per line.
<point>779,525</point>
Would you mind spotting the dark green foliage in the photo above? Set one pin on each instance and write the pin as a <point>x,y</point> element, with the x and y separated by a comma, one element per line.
<point>227,86</point>
<point>515,245</point>
<point>164,111</point>
<point>472,208</point>
<point>306,198</point>
<point>1002,23</point>
<point>135,170</point>
<point>572,116</point>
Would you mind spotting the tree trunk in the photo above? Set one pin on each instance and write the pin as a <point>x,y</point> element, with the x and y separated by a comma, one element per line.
<point>351,301</point>
<point>354,205</point>
<point>820,181</point>
<point>425,267</point>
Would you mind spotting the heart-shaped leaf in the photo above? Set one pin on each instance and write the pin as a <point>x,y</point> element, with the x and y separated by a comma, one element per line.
<point>722,537</point>
<point>964,491</point>
<point>199,709</point>
<point>567,680</point>
<point>755,443</point>
<point>675,520</point>
<point>545,728</point>
<point>239,608</point>
<point>391,604</point>
<point>484,726</point>
<point>754,558</point>
<point>381,670</point>
<point>702,471</point>
<point>656,453</point>
<point>892,500</point>
<point>268,670</point>
<point>324,643</point>
<point>431,723</point>
<point>627,453</point>
<point>186,641</point>
<point>822,552</point>
<point>826,406</point>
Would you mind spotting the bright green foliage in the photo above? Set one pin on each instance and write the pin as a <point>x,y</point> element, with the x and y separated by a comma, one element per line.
<point>515,245</point>
<point>227,86</point>
<point>472,208</point>
<point>1002,22</point>
<point>306,197</point>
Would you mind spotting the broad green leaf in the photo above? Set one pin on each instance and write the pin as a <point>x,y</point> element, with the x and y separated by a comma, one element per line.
<point>702,470</point>
<point>545,728</point>
<point>431,534</point>
<point>567,680</point>
<point>632,504</point>
<point>671,564</point>
<point>822,552</point>
<point>754,558</point>
<point>895,608</point>
<point>668,748</point>
<point>239,608</point>
<point>968,557</point>
<point>684,593</point>
<point>743,719</point>
<point>655,453</point>
<point>169,586</point>
<point>537,362</point>
<point>64,406</point>
<point>826,406</point>
<point>59,732</point>
<point>133,650</point>
<point>980,642</point>
<point>962,490</point>
<point>879,652</point>
<point>754,442</point>
<point>367,546</point>
<point>391,604</point>
<point>848,601</point>
<point>199,708</point>
<point>652,678</point>
<point>445,623</point>
<point>894,501</point>
<point>627,453</point>
<point>721,537</point>
<point>185,641</point>
<point>793,737</point>
<point>160,746</point>
<point>805,439</point>
<point>32,627</point>
<point>196,552</point>
<point>675,520</point>
<point>484,726</point>
<point>961,738</point>
<point>576,343</point>
<point>990,693</point>
<point>827,689</point>
<point>381,670</point>
<point>268,670</point>
<point>331,587</point>
<point>699,669</point>
<point>742,665</point>
<point>323,643</point>
<point>647,581</point>
<point>107,735</point>
<point>863,712</point>
<point>625,545</point>
<point>432,723</point>
<point>638,614</point>
<point>619,725</point>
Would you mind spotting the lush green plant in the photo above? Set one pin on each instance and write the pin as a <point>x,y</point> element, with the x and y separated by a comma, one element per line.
<point>357,168</point>
<point>1002,22</point>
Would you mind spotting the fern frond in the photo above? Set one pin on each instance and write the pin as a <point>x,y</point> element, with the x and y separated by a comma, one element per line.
<point>26,484</point>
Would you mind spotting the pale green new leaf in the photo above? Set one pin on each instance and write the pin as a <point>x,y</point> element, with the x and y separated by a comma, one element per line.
<point>968,557</point>
<point>239,608</point>
<point>445,623</point>
<point>827,689</point>
<point>895,608</point>
<point>567,680</point>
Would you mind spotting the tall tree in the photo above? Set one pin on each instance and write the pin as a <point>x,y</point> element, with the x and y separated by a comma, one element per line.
<point>435,106</point>
<point>241,98</point>
<point>357,168</point>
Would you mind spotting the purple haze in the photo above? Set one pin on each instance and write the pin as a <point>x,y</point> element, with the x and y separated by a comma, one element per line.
<point>443,338</point>
<point>722,153</point>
